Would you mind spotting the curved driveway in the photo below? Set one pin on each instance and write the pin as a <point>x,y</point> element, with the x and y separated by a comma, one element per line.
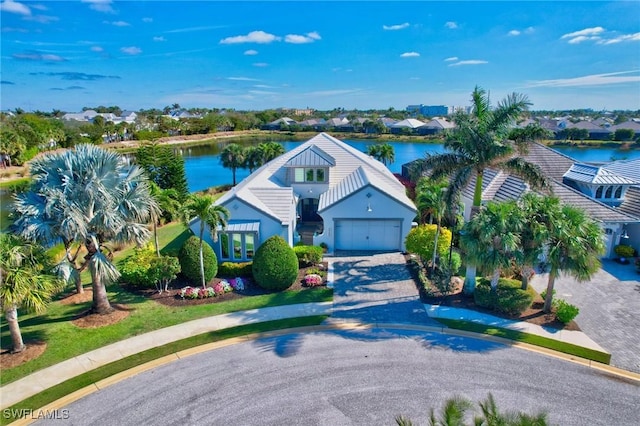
<point>357,377</point>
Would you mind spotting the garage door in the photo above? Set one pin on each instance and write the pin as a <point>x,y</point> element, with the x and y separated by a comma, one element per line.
<point>379,235</point>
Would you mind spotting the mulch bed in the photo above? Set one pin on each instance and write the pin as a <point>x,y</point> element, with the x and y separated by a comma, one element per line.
<point>33,350</point>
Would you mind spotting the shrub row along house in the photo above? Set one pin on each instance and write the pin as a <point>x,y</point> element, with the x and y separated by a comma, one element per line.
<point>324,192</point>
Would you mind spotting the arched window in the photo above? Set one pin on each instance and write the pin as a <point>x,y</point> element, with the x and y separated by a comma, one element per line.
<point>599,192</point>
<point>618,192</point>
<point>609,191</point>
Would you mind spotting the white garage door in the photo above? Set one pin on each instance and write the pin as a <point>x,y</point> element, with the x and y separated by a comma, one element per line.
<point>353,234</point>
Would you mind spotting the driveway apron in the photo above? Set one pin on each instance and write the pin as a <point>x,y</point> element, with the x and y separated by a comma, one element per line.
<point>376,288</point>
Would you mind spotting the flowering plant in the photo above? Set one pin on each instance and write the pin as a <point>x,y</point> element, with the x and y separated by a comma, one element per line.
<point>188,293</point>
<point>237,284</point>
<point>312,280</point>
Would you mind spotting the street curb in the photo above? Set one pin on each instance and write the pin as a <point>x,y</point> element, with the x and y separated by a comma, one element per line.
<point>329,325</point>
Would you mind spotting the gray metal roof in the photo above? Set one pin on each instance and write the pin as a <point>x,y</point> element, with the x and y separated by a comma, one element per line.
<point>241,226</point>
<point>596,175</point>
<point>311,157</point>
<point>627,168</point>
<point>552,163</point>
<point>352,183</point>
<point>631,203</point>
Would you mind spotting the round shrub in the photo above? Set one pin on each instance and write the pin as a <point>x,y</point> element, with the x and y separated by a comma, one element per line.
<point>509,298</point>
<point>189,257</point>
<point>565,312</point>
<point>275,265</point>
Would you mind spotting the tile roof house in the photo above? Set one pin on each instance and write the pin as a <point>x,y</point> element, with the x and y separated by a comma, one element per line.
<point>323,191</point>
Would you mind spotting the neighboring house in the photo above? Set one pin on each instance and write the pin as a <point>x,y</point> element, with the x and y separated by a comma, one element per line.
<point>323,191</point>
<point>629,124</point>
<point>574,184</point>
<point>279,123</point>
<point>410,124</point>
<point>435,126</point>
<point>595,131</point>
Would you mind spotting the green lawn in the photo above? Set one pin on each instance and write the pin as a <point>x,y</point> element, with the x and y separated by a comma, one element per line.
<point>65,340</point>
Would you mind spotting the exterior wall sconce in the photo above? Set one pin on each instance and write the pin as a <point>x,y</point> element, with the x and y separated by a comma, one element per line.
<point>369,209</point>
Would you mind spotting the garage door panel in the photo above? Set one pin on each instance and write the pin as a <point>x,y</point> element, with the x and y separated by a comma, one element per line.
<point>353,234</point>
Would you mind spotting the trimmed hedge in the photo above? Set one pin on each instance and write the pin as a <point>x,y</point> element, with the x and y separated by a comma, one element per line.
<point>189,257</point>
<point>308,255</point>
<point>275,265</point>
<point>232,269</point>
<point>509,298</point>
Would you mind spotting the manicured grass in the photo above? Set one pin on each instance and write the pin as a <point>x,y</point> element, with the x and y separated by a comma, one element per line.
<point>532,339</point>
<point>65,340</point>
<point>79,382</point>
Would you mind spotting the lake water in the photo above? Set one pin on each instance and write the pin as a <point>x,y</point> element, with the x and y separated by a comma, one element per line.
<point>203,168</point>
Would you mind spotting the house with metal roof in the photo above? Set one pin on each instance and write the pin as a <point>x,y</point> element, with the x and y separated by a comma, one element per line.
<point>323,191</point>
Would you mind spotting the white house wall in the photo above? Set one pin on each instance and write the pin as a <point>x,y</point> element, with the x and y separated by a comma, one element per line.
<point>355,207</point>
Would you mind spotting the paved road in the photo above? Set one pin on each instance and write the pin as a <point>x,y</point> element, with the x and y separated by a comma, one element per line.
<point>358,377</point>
<point>609,309</point>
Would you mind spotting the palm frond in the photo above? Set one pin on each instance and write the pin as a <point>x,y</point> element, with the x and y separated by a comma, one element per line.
<point>529,172</point>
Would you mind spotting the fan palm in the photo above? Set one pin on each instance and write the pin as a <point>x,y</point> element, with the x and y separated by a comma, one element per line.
<point>232,157</point>
<point>575,245</point>
<point>87,196</point>
<point>25,282</point>
<point>480,141</point>
<point>209,214</point>
<point>431,198</point>
<point>270,151</point>
<point>383,153</point>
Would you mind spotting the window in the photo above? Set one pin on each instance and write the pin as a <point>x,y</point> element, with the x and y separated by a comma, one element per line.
<point>320,175</point>
<point>618,192</point>
<point>299,175</point>
<point>237,246</point>
<point>609,191</point>
<point>310,175</point>
<point>224,246</point>
<point>249,243</point>
<point>599,192</point>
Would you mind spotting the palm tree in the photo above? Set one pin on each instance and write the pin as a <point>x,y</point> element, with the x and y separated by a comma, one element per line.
<point>86,196</point>
<point>252,158</point>
<point>575,245</point>
<point>167,203</point>
<point>210,214</point>
<point>492,238</point>
<point>270,151</point>
<point>383,153</point>
<point>431,198</point>
<point>25,282</point>
<point>479,141</point>
<point>232,157</point>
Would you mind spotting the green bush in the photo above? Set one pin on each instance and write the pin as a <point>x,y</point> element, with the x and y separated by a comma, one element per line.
<point>308,255</point>
<point>565,312</point>
<point>275,265</point>
<point>134,269</point>
<point>456,262</point>
<point>623,250</point>
<point>509,298</point>
<point>233,270</point>
<point>189,257</point>
<point>420,240</point>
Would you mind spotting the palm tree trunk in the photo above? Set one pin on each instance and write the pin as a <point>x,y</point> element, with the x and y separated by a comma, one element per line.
<point>470,276</point>
<point>494,280</point>
<point>11,314</point>
<point>548,300</point>
<point>78,279</point>
<point>155,236</point>
<point>101,303</point>
<point>79,288</point>
<point>435,249</point>
<point>526,273</point>
<point>204,284</point>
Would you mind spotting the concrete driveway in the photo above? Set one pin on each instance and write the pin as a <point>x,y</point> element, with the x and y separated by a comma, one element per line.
<point>609,309</point>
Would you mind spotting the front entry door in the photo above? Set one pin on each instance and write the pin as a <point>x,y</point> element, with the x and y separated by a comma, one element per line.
<point>309,211</point>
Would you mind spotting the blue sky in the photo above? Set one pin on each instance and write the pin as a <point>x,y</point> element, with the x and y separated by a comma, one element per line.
<point>258,55</point>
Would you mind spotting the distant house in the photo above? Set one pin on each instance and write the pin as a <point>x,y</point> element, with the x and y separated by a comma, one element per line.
<point>629,124</point>
<point>595,131</point>
<point>323,191</point>
<point>409,124</point>
<point>279,123</point>
<point>435,126</point>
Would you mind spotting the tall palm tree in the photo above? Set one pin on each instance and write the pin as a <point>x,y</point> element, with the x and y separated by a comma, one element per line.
<point>252,158</point>
<point>166,201</point>
<point>575,245</point>
<point>480,141</point>
<point>270,151</point>
<point>209,214</point>
<point>25,282</point>
<point>87,196</point>
<point>383,153</point>
<point>492,238</point>
<point>232,157</point>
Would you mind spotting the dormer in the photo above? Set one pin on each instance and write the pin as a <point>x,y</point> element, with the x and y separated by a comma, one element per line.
<point>598,183</point>
<point>311,166</point>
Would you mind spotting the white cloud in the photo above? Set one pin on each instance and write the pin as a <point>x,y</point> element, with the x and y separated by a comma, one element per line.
<point>14,7</point>
<point>332,92</point>
<point>410,55</point>
<point>395,27</point>
<point>260,37</point>
<point>131,50</point>
<point>97,49</point>
<point>242,79</point>
<point>580,39</point>
<point>260,64</point>
<point>147,20</point>
<point>621,38</point>
<point>302,39</point>
<point>451,59</point>
<point>514,33</point>
<point>43,19</point>
<point>192,29</point>
<point>160,38</point>
<point>469,62</point>
<point>118,23</point>
<point>590,80</point>
<point>451,25</point>
<point>250,52</point>
<point>100,5</point>
<point>530,30</point>
<point>582,33</point>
